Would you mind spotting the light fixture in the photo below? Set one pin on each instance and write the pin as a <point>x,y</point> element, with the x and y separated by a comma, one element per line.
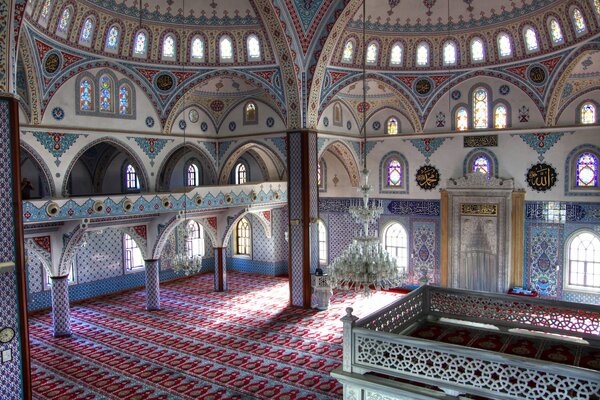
<point>365,266</point>
<point>183,261</point>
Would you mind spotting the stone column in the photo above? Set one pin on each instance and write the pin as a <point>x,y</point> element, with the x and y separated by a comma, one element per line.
<point>220,269</point>
<point>303,199</point>
<point>61,310</point>
<point>152,285</point>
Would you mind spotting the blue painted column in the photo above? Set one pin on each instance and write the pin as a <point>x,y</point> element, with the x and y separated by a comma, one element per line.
<point>61,309</point>
<point>220,269</point>
<point>152,285</point>
<point>303,199</point>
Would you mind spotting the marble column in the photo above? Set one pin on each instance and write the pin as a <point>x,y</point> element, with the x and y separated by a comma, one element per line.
<point>61,310</point>
<point>220,269</point>
<point>303,199</point>
<point>152,285</point>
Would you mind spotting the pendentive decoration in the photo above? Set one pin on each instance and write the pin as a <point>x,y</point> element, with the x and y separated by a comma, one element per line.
<point>428,177</point>
<point>541,177</point>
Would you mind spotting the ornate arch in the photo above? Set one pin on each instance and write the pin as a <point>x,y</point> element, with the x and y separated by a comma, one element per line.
<point>44,256</point>
<point>170,226</point>
<point>231,224</point>
<point>144,181</point>
<point>39,161</point>
<point>229,163</point>
<point>347,157</point>
<point>173,157</point>
<point>30,71</point>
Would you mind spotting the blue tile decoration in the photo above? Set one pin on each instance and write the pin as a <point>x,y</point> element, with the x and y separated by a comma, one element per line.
<point>61,309</point>
<point>232,126</point>
<point>223,147</point>
<point>321,142</point>
<point>211,148</point>
<point>428,146</point>
<point>412,207</point>
<point>371,145</point>
<point>204,126</point>
<point>56,143</point>
<point>541,142</point>
<point>270,122</point>
<point>376,125</point>
<point>280,144</point>
<point>504,90</point>
<point>58,113</point>
<point>149,122</point>
<point>545,255</point>
<point>424,255</point>
<point>182,125</point>
<point>541,211</point>
<point>151,146</point>
<point>455,94</point>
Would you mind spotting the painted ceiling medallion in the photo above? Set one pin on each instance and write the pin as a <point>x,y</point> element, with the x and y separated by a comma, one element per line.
<point>194,116</point>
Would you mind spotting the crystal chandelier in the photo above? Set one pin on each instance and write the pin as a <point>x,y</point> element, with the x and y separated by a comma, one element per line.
<point>365,265</point>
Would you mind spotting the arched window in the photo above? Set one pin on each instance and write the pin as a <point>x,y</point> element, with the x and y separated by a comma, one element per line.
<point>87,31</point>
<point>588,113</point>
<point>348,53</point>
<point>253,46</point>
<point>86,93</point>
<point>396,54</point>
<point>194,243</point>
<point>30,6</point>
<point>578,21</point>
<point>240,174</point>
<point>250,113</point>
<point>392,125</point>
<point>504,45</point>
<point>226,49</point>
<point>450,53</point>
<point>500,116</point>
<point>423,54</point>
<point>583,262</point>
<point>596,7</point>
<point>197,52</point>
<point>337,114</point>
<point>45,13</point>
<point>242,233</point>
<point>192,176</point>
<point>132,254</point>
<point>106,94</point>
<point>394,173</point>
<point>124,100</point>
<point>480,108</point>
<point>587,170</point>
<point>481,165</point>
<point>477,50</point>
<point>395,241</point>
<point>372,52</point>
<point>63,24</point>
<point>322,243</point>
<point>556,34</point>
<point>321,175</point>
<point>112,39</point>
<point>531,41</point>
<point>132,182</point>
<point>140,45</point>
<point>462,119</point>
<point>168,47</point>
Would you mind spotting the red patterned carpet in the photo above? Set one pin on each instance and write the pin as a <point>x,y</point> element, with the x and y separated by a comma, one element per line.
<point>241,344</point>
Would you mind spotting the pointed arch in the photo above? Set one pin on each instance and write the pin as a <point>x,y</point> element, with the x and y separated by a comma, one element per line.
<point>170,226</point>
<point>347,157</point>
<point>175,155</point>
<point>38,161</point>
<point>265,151</point>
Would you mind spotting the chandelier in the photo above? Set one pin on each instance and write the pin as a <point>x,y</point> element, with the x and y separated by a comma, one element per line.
<point>365,265</point>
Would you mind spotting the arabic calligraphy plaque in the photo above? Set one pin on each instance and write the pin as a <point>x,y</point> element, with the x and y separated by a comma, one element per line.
<point>541,177</point>
<point>164,82</point>
<point>52,63</point>
<point>479,209</point>
<point>423,86</point>
<point>428,177</point>
<point>537,74</point>
<point>480,141</point>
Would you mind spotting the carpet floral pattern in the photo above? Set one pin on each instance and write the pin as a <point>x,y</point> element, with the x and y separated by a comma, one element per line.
<point>242,344</point>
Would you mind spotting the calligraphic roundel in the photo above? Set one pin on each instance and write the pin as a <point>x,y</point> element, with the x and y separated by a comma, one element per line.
<point>541,177</point>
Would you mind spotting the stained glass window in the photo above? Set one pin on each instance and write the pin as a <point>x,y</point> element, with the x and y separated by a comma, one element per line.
<point>243,237</point>
<point>197,49</point>
<point>588,113</point>
<point>63,23</point>
<point>105,93</point>
<point>392,126</point>
<point>319,174</point>
<point>30,6</point>
<point>112,40</point>
<point>372,51</point>
<point>449,53</point>
<point>168,50</point>
<point>141,44</point>
<point>348,53</point>
<point>131,179</point>
<point>480,108</point>
<point>240,174</point>
<point>394,173</point>
<point>555,31</point>
<point>500,117</point>
<point>45,13</point>
<point>85,38</point>
<point>322,243</point>
<point>253,48</point>
<point>423,55</point>
<point>587,170</point>
<point>462,119</point>
<point>396,54</point>
<point>578,21</point>
<point>226,49</point>
<point>396,244</point>
<point>194,244</point>
<point>584,261</point>
<point>192,175</point>
<point>250,112</point>
<point>481,165</point>
<point>85,95</point>
<point>124,100</point>
<point>531,42</point>
<point>477,50</point>
<point>504,45</point>
<point>597,7</point>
